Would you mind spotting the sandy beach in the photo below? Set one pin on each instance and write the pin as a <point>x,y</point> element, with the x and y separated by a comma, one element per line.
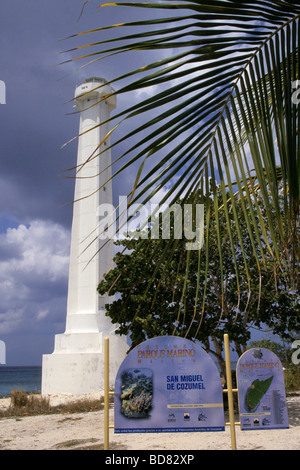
<point>82,431</point>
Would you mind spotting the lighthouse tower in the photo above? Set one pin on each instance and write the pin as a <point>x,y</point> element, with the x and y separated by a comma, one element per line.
<point>77,364</point>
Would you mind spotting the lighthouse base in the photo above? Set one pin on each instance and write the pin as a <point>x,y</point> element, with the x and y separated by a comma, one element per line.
<point>77,364</point>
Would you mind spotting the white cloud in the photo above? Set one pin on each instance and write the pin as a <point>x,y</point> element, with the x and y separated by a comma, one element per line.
<point>42,314</point>
<point>34,263</point>
<point>10,319</point>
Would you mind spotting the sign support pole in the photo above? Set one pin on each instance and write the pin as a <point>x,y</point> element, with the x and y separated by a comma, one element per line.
<point>230,394</point>
<point>106,393</point>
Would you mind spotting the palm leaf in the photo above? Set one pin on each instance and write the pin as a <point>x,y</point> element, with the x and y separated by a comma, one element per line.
<point>223,111</point>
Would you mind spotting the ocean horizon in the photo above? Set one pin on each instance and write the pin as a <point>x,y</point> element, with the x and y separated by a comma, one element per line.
<point>28,378</point>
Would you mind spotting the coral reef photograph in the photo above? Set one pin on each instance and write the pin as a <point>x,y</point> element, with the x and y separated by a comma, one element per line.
<point>136,393</point>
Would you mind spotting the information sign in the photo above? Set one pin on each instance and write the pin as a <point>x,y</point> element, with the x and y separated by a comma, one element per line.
<point>262,399</point>
<point>168,384</point>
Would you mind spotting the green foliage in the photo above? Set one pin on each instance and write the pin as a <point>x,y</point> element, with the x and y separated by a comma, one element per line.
<point>205,310</point>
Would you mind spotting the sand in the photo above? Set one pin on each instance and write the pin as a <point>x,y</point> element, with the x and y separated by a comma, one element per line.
<point>85,431</point>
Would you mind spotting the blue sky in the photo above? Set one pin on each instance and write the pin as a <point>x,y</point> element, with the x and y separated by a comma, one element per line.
<point>35,214</point>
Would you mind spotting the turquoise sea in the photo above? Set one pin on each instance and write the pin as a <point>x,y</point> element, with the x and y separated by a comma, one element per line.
<point>26,378</point>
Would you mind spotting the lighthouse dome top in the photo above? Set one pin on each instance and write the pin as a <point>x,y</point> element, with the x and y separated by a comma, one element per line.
<point>94,88</point>
<point>94,79</point>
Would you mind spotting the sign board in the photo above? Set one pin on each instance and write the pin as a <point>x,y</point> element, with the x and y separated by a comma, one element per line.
<point>262,399</point>
<point>168,384</point>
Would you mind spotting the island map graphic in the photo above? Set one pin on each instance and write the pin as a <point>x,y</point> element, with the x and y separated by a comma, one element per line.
<point>255,393</point>
<point>261,390</point>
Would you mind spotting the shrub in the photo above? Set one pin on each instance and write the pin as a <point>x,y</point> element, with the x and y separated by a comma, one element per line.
<point>292,378</point>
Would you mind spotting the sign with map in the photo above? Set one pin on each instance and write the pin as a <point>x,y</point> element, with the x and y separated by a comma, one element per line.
<point>168,384</point>
<point>262,399</point>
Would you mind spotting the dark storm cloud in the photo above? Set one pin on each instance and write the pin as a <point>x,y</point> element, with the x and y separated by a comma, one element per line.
<point>35,122</point>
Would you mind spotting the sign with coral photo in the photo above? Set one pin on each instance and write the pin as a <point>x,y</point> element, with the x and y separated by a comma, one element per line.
<point>168,384</point>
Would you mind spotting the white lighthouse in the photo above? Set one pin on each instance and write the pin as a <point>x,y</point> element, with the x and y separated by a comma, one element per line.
<point>77,364</point>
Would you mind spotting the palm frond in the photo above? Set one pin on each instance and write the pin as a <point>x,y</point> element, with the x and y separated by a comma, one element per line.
<point>223,112</point>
